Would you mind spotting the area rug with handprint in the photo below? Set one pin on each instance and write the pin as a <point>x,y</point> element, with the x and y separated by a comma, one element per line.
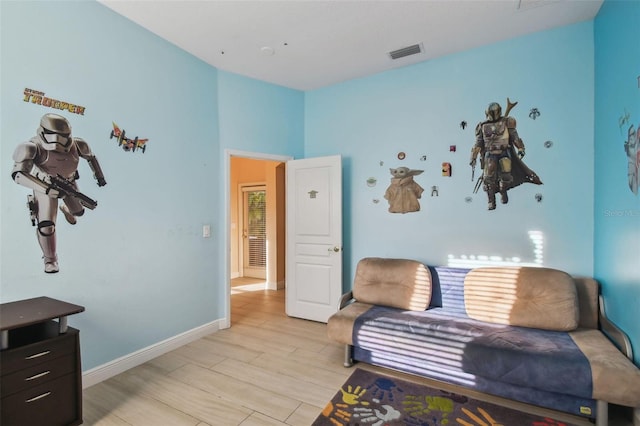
<point>372,399</point>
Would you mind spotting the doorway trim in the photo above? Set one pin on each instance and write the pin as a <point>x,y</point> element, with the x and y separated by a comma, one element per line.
<point>228,153</point>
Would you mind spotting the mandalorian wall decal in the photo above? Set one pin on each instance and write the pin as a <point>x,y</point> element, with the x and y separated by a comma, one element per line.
<point>496,142</point>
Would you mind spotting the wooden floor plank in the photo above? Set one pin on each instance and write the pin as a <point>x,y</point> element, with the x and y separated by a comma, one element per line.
<point>304,415</point>
<point>298,370</point>
<point>258,419</point>
<point>243,393</point>
<point>301,389</point>
<point>131,405</point>
<point>204,406</point>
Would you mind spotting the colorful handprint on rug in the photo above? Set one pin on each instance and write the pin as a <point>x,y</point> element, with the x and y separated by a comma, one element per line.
<point>370,399</point>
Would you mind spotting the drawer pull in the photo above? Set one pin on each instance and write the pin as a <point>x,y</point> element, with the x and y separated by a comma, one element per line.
<point>37,376</point>
<point>38,355</point>
<point>35,398</point>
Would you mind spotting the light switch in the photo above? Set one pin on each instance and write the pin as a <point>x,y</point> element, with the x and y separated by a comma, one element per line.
<point>206,231</point>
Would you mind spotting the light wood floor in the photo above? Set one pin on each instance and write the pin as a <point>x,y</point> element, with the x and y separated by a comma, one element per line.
<point>267,369</point>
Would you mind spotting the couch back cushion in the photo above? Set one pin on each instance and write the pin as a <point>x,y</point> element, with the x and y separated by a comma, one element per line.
<point>522,296</point>
<point>588,290</point>
<point>398,283</point>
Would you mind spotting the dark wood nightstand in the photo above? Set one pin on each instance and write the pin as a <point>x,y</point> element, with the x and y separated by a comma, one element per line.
<point>40,369</point>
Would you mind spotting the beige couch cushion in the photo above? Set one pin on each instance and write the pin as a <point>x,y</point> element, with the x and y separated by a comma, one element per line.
<point>399,283</point>
<point>615,378</point>
<point>523,296</point>
<point>588,290</point>
<point>340,324</point>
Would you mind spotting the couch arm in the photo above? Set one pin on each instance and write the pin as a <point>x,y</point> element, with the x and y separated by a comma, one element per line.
<point>345,299</point>
<point>617,336</point>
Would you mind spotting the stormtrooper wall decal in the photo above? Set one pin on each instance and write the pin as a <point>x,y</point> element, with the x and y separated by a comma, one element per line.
<point>48,165</point>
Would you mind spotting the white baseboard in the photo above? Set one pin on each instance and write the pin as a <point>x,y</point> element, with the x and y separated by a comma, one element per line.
<point>122,364</point>
<point>235,275</point>
<point>279,285</point>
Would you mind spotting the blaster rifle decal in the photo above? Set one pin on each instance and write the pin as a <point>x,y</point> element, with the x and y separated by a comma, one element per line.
<point>65,187</point>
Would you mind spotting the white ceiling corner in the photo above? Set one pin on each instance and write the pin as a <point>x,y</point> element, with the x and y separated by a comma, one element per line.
<point>309,44</point>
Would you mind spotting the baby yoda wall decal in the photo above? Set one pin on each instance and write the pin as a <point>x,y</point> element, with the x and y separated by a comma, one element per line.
<point>403,192</point>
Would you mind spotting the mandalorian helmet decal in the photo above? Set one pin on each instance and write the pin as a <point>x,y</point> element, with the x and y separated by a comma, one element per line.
<point>494,111</point>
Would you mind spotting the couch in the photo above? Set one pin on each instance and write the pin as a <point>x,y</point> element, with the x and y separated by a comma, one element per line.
<point>534,335</point>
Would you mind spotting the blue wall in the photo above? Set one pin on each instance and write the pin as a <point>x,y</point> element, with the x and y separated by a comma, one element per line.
<point>138,262</point>
<point>617,208</point>
<point>418,109</point>
<point>259,117</point>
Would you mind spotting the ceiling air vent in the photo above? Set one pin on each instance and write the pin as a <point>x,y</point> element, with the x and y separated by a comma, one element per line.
<point>406,51</point>
<point>530,4</point>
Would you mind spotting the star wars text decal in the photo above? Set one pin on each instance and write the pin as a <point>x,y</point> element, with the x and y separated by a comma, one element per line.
<point>38,98</point>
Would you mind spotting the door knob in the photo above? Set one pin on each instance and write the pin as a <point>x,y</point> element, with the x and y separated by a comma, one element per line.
<point>335,249</point>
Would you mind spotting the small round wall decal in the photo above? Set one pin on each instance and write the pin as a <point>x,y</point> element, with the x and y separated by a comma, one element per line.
<point>548,144</point>
<point>401,155</point>
<point>534,113</point>
<point>372,181</point>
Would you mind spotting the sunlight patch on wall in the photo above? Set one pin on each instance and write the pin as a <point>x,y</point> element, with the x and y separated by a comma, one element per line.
<point>477,260</point>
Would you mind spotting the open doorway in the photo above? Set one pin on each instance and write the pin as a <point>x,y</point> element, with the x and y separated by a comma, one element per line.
<point>252,209</point>
<point>255,223</point>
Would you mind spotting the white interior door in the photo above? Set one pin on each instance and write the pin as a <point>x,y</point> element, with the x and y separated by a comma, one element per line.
<point>314,237</point>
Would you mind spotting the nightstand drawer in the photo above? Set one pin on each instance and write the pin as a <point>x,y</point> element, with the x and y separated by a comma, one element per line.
<point>49,404</point>
<point>38,374</point>
<point>38,353</point>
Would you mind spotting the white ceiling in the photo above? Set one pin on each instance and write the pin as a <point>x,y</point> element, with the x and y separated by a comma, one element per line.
<point>309,44</point>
